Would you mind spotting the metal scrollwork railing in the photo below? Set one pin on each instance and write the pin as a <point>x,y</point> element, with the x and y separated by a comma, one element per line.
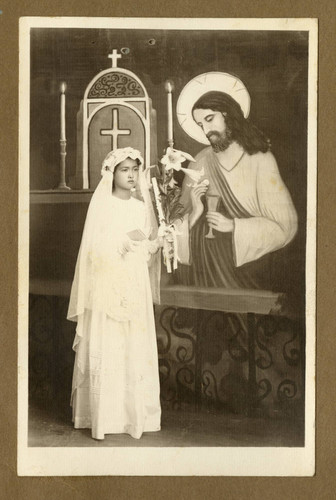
<point>205,356</point>
<point>236,350</point>
<point>185,378</point>
<point>266,327</point>
<point>264,389</point>
<point>287,389</point>
<point>270,330</point>
<point>209,383</point>
<point>172,314</point>
<point>198,367</point>
<point>291,355</point>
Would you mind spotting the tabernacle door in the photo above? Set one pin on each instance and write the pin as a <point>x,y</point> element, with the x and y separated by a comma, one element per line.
<point>116,112</point>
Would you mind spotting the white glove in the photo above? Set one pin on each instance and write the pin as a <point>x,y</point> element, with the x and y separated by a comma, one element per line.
<point>127,245</point>
<point>153,245</point>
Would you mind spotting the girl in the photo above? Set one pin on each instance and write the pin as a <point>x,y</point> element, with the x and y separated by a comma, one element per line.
<point>116,379</point>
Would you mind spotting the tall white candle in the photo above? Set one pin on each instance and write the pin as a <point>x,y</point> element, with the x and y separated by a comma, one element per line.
<point>63,89</point>
<point>169,89</point>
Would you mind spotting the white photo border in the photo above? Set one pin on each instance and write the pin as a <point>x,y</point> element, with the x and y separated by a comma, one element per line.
<point>186,461</point>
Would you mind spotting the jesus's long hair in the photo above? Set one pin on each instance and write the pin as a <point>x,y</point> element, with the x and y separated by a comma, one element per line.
<point>242,130</point>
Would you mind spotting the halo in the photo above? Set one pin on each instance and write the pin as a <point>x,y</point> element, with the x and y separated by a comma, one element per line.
<point>201,84</point>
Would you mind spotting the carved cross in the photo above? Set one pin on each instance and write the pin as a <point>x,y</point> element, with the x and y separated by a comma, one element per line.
<point>114,132</point>
<point>114,56</point>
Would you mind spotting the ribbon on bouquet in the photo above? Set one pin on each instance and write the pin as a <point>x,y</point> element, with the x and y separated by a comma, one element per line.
<point>166,231</point>
<point>169,250</point>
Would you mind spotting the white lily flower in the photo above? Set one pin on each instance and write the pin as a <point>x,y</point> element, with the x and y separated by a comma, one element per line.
<point>174,158</point>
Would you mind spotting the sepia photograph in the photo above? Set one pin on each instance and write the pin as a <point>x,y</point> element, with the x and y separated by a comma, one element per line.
<point>167,246</point>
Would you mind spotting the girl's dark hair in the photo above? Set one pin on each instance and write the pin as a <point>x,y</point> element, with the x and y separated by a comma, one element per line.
<point>129,158</point>
<point>242,130</point>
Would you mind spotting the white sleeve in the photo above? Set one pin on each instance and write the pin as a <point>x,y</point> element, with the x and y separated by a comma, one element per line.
<point>275,227</point>
<point>183,241</point>
<point>150,247</point>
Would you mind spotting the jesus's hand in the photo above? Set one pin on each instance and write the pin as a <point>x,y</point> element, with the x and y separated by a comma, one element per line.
<point>220,223</point>
<point>196,194</point>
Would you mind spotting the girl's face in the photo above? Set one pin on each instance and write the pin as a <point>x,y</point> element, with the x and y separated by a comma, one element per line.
<point>126,175</point>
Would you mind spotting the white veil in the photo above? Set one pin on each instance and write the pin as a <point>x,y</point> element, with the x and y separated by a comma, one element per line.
<point>93,288</point>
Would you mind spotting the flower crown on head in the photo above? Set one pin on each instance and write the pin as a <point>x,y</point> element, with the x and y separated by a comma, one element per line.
<point>116,156</point>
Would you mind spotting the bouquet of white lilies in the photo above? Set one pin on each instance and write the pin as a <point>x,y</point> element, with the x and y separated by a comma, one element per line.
<point>167,195</point>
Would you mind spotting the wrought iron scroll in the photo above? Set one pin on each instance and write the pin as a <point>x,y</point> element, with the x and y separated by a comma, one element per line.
<point>291,355</point>
<point>236,349</point>
<point>287,389</point>
<point>268,328</point>
<point>176,372</point>
<point>209,383</point>
<point>196,367</point>
<point>185,379</point>
<point>264,388</point>
<point>191,344</point>
<point>174,316</point>
<point>208,334</point>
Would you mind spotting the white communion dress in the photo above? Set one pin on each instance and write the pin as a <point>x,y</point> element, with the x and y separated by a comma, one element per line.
<point>116,378</point>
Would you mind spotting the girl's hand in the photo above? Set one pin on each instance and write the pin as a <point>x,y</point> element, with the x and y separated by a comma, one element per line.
<point>165,233</point>
<point>134,245</point>
<point>128,245</point>
<point>219,222</point>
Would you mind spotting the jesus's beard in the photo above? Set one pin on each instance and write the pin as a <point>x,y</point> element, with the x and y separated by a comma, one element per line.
<point>219,142</point>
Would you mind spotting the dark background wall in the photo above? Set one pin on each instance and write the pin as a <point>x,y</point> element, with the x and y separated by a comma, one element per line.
<point>272,65</point>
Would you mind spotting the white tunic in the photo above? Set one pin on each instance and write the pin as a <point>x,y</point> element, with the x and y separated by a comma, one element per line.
<point>256,183</point>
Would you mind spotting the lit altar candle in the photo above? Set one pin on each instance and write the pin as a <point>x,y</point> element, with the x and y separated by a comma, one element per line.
<point>169,87</point>
<point>63,89</point>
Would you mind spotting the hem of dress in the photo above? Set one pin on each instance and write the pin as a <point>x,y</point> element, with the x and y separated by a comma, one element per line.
<point>135,432</point>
